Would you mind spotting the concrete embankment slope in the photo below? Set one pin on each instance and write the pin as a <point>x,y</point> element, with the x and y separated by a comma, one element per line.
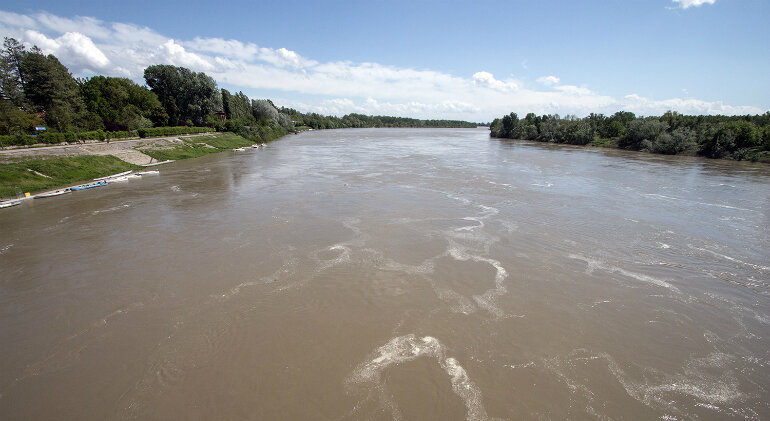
<point>125,150</point>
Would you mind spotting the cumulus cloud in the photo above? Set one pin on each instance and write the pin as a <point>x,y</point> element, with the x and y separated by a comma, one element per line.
<point>684,4</point>
<point>548,80</point>
<point>87,46</point>
<point>488,80</point>
<point>76,47</point>
<point>283,57</point>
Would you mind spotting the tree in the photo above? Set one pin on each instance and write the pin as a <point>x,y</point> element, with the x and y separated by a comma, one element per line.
<point>15,121</point>
<point>50,88</point>
<point>549,129</point>
<point>121,103</point>
<point>11,73</point>
<point>184,94</point>
<point>642,129</point>
<point>237,107</point>
<point>672,143</point>
<point>721,144</point>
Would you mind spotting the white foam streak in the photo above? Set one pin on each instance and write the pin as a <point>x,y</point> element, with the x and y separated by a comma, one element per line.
<point>406,348</point>
<point>593,264</point>
<point>660,196</point>
<point>732,259</point>
<point>487,299</point>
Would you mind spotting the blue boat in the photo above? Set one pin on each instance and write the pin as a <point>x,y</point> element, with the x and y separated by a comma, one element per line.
<point>88,186</point>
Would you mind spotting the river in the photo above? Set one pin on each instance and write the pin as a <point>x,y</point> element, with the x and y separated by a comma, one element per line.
<point>394,274</point>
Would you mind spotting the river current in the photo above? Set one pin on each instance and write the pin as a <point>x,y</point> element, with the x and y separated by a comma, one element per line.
<point>407,274</point>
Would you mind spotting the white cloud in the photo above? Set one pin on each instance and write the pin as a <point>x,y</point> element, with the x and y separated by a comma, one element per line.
<point>283,57</point>
<point>177,55</point>
<point>548,80</point>
<point>339,87</point>
<point>76,47</point>
<point>488,80</point>
<point>227,48</point>
<point>91,27</point>
<point>684,4</point>
<point>16,20</point>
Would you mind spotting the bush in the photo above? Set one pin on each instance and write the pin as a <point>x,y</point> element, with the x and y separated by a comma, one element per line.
<point>92,135</point>
<point>674,143</point>
<point>171,131</point>
<point>642,129</point>
<point>18,140</point>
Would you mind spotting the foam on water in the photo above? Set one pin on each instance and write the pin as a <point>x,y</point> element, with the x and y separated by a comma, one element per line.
<point>341,258</point>
<point>471,243</point>
<point>760,268</point>
<point>406,348</point>
<point>593,264</point>
<point>660,196</point>
<point>694,381</point>
<point>658,390</point>
<point>112,209</point>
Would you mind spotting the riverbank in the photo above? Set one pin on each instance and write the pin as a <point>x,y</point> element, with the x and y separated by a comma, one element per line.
<point>33,170</point>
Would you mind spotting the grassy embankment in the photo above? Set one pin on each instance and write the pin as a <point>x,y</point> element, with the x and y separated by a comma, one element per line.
<point>193,147</point>
<point>16,177</point>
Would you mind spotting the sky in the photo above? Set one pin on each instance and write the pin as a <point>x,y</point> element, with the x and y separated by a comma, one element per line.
<point>426,58</point>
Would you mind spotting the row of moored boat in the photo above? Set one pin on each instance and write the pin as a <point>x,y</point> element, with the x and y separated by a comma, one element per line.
<point>254,146</point>
<point>98,182</point>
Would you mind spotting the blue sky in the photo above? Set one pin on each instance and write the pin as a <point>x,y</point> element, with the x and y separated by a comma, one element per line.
<point>430,59</point>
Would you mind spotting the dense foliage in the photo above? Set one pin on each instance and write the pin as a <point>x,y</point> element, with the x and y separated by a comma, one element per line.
<point>188,97</point>
<point>122,104</point>
<point>738,137</point>
<point>318,121</point>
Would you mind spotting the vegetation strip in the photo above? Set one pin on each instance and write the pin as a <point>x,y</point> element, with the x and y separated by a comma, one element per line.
<point>738,137</point>
<point>193,147</point>
<point>16,179</point>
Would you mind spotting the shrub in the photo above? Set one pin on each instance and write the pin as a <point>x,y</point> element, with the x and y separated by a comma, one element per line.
<point>171,131</point>
<point>18,140</point>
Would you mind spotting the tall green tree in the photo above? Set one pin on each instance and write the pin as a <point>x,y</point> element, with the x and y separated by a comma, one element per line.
<point>120,101</point>
<point>185,95</point>
<point>50,88</point>
<point>11,72</point>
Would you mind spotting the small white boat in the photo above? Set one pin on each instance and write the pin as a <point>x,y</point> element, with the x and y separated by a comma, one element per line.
<point>130,176</point>
<point>150,172</point>
<point>158,163</point>
<point>239,149</point>
<point>9,203</point>
<point>52,193</point>
<point>117,179</point>
<point>255,146</point>
<point>121,174</point>
<point>263,144</point>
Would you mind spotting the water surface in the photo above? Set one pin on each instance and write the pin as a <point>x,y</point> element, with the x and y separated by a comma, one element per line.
<point>394,274</point>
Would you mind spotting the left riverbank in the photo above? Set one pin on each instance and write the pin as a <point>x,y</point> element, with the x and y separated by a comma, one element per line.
<point>39,169</point>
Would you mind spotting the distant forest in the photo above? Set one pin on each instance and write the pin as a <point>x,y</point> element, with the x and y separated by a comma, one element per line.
<point>732,137</point>
<point>37,90</point>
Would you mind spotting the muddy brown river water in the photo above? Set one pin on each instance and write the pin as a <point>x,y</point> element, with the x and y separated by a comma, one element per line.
<point>410,274</point>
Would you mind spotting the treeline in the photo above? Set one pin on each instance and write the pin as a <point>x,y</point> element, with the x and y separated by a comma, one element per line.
<point>37,90</point>
<point>353,120</point>
<point>734,137</point>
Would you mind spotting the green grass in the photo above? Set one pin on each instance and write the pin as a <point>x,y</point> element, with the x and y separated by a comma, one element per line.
<point>192,148</point>
<point>64,171</point>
